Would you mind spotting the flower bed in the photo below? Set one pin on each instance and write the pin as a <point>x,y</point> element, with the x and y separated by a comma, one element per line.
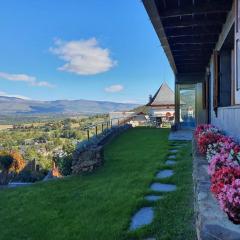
<point>223,155</point>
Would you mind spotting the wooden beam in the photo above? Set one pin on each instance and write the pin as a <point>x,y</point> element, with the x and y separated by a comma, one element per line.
<point>193,51</point>
<point>184,59</point>
<point>200,47</point>
<point>193,39</point>
<point>193,31</point>
<point>192,23</point>
<point>208,8</point>
<point>192,63</point>
<point>191,69</point>
<point>189,44</point>
<point>195,61</point>
<point>191,59</point>
<point>189,54</point>
<point>173,36</point>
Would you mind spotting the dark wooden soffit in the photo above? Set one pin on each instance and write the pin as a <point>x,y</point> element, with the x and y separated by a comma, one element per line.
<point>188,30</point>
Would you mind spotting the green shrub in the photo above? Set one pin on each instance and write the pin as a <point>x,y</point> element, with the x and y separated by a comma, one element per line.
<point>64,164</point>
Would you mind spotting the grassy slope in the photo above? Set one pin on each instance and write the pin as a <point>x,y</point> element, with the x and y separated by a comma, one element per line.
<point>99,206</point>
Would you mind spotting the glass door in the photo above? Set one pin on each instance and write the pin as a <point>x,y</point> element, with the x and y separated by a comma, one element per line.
<point>187,113</point>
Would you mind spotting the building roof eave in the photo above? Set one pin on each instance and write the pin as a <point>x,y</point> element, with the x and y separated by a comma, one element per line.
<point>152,11</point>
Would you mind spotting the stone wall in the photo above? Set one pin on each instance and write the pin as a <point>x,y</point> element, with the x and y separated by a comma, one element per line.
<point>211,222</point>
<point>88,160</point>
<point>89,154</point>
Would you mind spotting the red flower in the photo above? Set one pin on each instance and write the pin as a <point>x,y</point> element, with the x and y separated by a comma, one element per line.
<point>223,176</point>
<point>205,139</point>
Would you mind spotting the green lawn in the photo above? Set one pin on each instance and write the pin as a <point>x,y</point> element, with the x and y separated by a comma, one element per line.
<point>99,206</point>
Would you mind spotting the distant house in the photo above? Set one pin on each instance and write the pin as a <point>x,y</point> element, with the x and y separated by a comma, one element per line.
<point>162,104</point>
<point>119,117</point>
<point>136,119</point>
<point>140,119</point>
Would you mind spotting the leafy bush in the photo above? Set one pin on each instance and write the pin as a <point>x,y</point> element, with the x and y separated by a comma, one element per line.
<point>64,164</point>
<point>5,161</point>
<point>11,163</point>
<point>63,159</point>
<point>18,162</point>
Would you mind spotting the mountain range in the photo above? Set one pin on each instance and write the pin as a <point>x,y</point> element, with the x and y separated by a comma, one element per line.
<point>18,106</point>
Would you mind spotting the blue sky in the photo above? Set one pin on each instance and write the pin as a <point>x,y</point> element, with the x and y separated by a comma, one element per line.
<point>75,49</point>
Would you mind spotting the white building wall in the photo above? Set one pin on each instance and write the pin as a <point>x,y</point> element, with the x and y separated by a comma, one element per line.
<point>161,112</point>
<point>228,119</point>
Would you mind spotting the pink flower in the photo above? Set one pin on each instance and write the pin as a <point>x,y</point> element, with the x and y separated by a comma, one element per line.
<point>220,160</point>
<point>223,155</point>
<point>229,200</point>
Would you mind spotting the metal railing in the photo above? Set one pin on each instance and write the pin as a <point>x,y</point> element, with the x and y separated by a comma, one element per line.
<point>100,127</point>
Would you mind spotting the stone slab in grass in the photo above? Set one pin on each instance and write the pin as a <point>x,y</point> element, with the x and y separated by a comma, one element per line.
<point>153,198</point>
<point>163,187</point>
<point>173,150</point>
<point>170,162</point>
<point>172,156</point>
<point>143,217</point>
<point>164,173</point>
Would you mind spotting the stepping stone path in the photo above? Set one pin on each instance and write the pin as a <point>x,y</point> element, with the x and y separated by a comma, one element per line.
<point>153,198</point>
<point>170,162</point>
<point>163,187</point>
<point>143,217</point>
<point>165,174</point>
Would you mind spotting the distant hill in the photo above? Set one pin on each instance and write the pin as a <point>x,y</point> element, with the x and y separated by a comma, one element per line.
<point>18,106</point>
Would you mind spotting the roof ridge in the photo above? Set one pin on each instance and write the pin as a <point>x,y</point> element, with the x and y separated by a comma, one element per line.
<point>163,96</point>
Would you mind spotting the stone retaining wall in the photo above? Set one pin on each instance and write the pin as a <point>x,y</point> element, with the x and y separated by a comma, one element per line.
<point>211,222</point>
<point>89,154</point>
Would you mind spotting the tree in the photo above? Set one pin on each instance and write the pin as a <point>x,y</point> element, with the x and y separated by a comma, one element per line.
<point>11,163</point>
<point>63,159</point>
<point>18,162</point>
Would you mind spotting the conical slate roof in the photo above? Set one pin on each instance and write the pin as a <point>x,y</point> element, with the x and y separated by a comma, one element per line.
<point>164,96</point>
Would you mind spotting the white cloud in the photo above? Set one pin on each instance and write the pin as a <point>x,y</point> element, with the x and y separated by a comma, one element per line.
<point>4,94</point>
<point>83,57</point>
<point>114,88</point>
<point>25,78</point>
<point>43,84</point>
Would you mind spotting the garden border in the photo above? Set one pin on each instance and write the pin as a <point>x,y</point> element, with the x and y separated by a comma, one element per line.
<point>211,222</point>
